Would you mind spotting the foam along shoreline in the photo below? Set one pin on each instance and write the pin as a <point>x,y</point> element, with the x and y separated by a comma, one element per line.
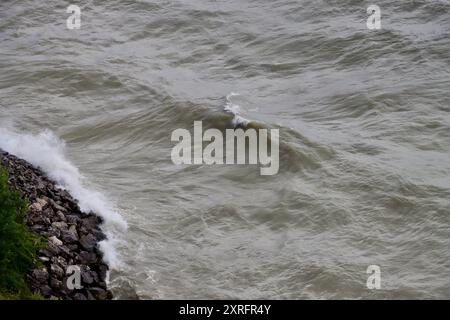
<point>72,235</point>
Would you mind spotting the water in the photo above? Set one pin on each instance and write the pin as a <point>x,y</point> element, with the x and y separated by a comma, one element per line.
<point>364,129</point>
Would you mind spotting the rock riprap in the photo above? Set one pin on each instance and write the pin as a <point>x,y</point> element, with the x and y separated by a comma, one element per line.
<point>72,236</point>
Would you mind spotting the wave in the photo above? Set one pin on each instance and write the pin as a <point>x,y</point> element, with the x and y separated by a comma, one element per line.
<point>235,110</point>
<point>46,151</point>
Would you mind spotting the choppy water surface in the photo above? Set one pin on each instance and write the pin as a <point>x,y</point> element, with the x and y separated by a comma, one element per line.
<point>364,126</point>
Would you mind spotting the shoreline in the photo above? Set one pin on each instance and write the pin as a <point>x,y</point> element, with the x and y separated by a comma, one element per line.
<point>72,237</point>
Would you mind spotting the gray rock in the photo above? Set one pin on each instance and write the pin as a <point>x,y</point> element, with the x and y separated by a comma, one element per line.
<point>72,219</point>
<point>56,270</point>
<point>55,241</point>
<point>87,277</point>
<point>90,296</point>
<point>72,247</point>
<point>48,213</point>
<point>90,223</point>
<point>60,225</point>
<point>61,262</point>
<point>46,291</point>
<point>44,259</point>
<point>73,229</point>
<point>98,293</point>
<point>68,236</point>
<point>88,242</point>
<point>103,271</point>
<point>57,207</point>
<point>40,275</point>
<point>87,257</point>
<point>53,249</point>
<point>56,284</point>
<point>61,216</point>
<point>65,251</point>
<point>38,205</point>
<point>79,296</point>
<point>37,228</point>
<point>45,253</point>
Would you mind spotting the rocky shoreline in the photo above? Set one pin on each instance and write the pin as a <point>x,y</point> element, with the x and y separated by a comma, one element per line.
<point>72,237</point>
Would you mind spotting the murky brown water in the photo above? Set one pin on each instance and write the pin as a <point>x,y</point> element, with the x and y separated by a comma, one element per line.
<point>364,119</point>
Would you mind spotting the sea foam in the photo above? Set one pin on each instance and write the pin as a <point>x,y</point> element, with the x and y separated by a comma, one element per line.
<point>235,110</point>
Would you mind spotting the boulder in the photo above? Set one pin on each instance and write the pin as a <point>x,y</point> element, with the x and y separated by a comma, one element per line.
<point>79,296</point>
<point>55,241</point>
<point>56,284</point>
<point>68,237</point>
<point>57,270</point>
<point>40,275</point>
<point>98,293</point>
<point>61,225</point>
<point>46,291</point>
<point>88,242</point>
<point>87,257</point>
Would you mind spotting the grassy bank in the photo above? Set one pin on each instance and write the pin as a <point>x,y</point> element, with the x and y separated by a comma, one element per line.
<point>18,245</point>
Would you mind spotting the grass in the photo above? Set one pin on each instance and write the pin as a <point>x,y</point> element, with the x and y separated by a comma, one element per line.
<point>18,245</point>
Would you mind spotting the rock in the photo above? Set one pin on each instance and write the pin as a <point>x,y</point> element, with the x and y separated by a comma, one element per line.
<point>54,232</point>
<point>72,219</point>
<point>90,296</point>
<point>64,194</point>
<point>37,228</point>
<point>73,229</point>
<point>38,205</point>
<point>65,251</point>
<point>90,223</point>
<point>88,242</point>
<point>40,275</point>
<point>87,257</point>
<point>103,271</point>
<point>61,216</point>
<point>57,207</point>
<point>87,277</point>
<point>99,235</point>
<point>61,262</point>
<point>54,240</point>
<point>56,284</point>
<point>57,270</point>
<point>48,213</point>
<point>46,221</point>
<point>79,296</point>
<point>35,207</point>
<point>46,291</point>
<point>60,225</point>
<point>68,236</point>
<point>98,293</point>
<point>44,259</point>
<point>72,247</point>
<point>45,253</point>
<point>35,219</point>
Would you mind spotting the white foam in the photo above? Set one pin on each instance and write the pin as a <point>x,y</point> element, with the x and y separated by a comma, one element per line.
<point>235,110</point>
<point>46,151</point>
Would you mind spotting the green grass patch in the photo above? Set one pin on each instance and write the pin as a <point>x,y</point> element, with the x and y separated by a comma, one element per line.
<point>18,245</point>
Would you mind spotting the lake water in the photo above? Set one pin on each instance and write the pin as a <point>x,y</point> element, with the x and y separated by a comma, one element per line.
<point>364,122</point>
